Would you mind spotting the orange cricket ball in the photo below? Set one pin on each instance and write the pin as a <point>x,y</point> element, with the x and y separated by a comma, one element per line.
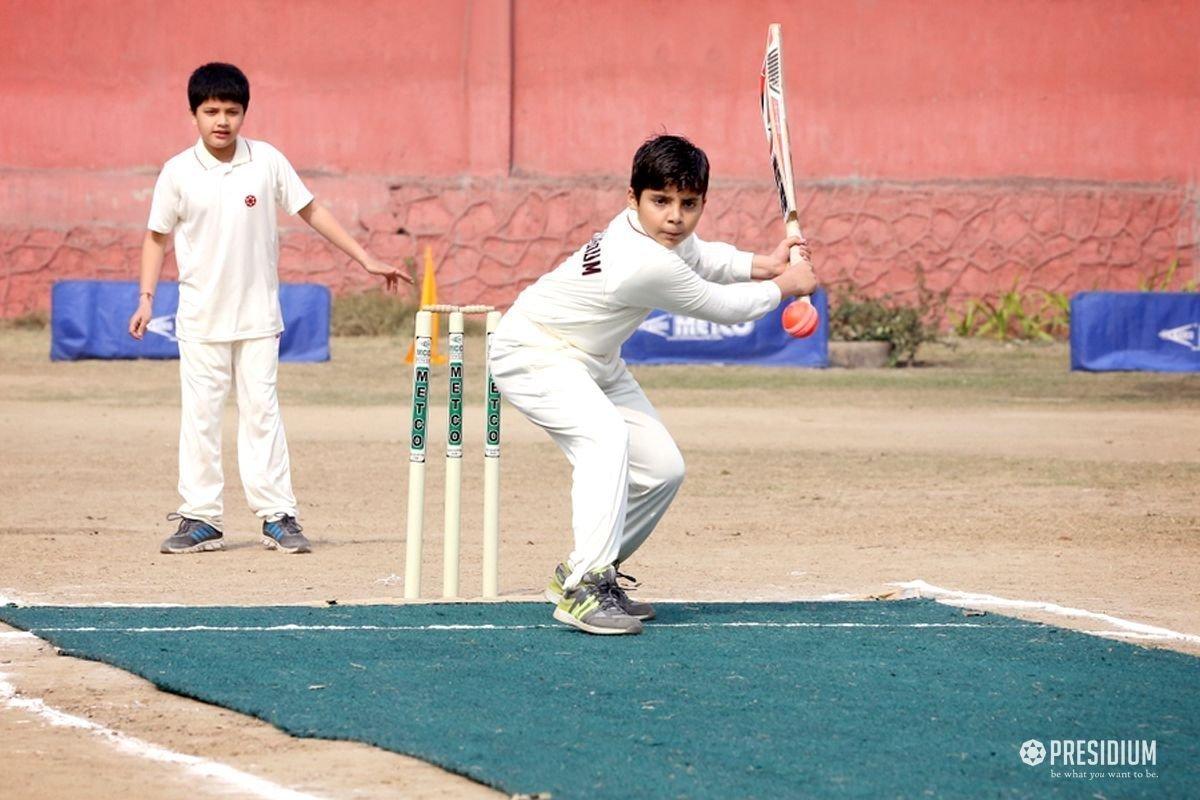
<point>800,319</point>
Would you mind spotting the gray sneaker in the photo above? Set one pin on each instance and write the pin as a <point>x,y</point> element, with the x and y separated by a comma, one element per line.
<point>642,611</point>
<point>192,536</point>
<point>593,607</point>
<point>284,535</point>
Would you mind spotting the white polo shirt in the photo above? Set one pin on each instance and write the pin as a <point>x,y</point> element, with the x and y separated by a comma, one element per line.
<point>226,237</point>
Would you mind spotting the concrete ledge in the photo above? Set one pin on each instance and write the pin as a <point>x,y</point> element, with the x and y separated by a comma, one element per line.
<point>859,355</point>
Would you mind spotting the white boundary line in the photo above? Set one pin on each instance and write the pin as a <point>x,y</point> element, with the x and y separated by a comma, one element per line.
<point>130,745</point>
<point>1128,629</point>
<point>532,597</point>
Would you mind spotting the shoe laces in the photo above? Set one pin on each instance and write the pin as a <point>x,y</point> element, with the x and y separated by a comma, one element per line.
<point>631,582</point>
<point>622,591</point>
<point>289,525</point>
<point>186,524</point>
<point>607,592</point>
<point>610,596</point>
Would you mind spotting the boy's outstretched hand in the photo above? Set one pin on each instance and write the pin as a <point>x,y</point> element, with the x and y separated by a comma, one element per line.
<point>772,265</point>
<point>140,319</point>
<point>323,223</point>
<point>390,274</point>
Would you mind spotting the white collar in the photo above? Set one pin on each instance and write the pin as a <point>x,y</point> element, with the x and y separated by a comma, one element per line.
<point>241,154</point>
<point>636,224</point>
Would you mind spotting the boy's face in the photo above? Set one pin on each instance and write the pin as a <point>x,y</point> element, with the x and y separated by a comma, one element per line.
<point>667,215</point>
<point>219,122</point>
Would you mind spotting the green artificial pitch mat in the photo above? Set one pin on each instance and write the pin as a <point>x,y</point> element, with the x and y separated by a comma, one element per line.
<point>715,700</point>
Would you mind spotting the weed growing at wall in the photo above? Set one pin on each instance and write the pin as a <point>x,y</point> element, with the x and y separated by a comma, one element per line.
<point>1041,315</point>
<point>377,313</point>
<point>1166,281</point>
<point>371,313</point>
<point>1036,315</point>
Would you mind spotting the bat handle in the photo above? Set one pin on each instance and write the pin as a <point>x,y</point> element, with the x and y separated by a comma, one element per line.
<point>792,227</point>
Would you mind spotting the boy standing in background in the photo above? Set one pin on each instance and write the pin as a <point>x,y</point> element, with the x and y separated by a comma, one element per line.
<point>220,197</point>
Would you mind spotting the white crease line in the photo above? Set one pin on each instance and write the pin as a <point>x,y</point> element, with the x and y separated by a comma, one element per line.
<point>1154,637</point>
<point>745,601</point>
<point>6,635</point>
<point>200,767</point>
<point>1129,628</point>
<point>463,627</point>
<point>829,625</point>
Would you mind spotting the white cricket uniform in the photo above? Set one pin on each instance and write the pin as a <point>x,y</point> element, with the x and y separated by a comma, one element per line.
<point>556,358</point>
<point>229,321</point>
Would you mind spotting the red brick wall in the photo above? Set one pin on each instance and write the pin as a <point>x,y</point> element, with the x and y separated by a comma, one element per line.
<point>976,143</point>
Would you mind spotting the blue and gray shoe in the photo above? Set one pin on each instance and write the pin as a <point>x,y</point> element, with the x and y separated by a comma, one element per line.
<point>192,536</point>
<point>284,534</point>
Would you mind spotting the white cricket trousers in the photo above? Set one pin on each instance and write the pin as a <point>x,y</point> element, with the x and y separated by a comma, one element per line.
<point>626,467</point>
<point>206,371</point>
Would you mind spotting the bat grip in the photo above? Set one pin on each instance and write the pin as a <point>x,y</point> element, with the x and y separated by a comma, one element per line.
<point>792,227</point>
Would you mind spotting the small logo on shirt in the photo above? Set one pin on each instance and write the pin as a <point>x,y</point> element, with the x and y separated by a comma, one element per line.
<point>591,255</point>
<point>251,200</point>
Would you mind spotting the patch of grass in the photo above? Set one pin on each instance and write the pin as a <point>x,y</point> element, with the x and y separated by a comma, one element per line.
<point>29,321</point>
<point>956,372</point>
<point>377,313</point>
<point>372,313</point>
<point>370,371</point>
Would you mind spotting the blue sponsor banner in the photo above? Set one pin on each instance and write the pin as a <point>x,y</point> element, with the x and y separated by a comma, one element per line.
<point>1147,331</point>
<point>666,338</point>
<point>90,319</point>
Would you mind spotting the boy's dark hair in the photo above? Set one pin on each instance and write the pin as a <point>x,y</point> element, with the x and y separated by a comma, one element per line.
<point>220,81</point>
<point>667,160</point>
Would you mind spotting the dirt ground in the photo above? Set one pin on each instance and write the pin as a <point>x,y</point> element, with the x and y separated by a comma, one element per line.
<point>990,469</point>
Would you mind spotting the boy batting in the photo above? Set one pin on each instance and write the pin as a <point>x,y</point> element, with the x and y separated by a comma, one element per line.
<point>556,358</point>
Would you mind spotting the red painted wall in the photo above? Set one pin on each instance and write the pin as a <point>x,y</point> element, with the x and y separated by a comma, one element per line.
<point>368,86</point>
<point>903,89</point>
<point>971,142</point>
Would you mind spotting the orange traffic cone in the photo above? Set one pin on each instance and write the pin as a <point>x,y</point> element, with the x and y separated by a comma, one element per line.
<point>429,298</point>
